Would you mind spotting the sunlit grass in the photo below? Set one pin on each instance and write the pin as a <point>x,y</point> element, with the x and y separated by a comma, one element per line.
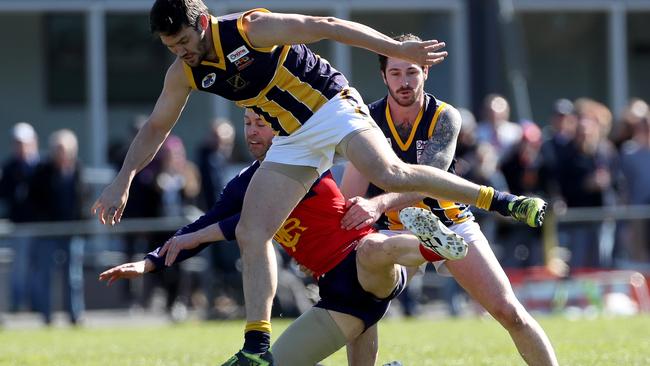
<point>602,341</point>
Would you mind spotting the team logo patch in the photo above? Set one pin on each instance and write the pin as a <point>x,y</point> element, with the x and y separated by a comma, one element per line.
<point>237,82</point>
<point>208,80</point>
<point>289,234</point>
<point>237,54</point>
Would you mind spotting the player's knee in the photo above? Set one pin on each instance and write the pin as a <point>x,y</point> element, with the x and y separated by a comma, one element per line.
<point>245,234</point>
<point>371,251</point>
<point>251,237</point>
<point>511,314</point>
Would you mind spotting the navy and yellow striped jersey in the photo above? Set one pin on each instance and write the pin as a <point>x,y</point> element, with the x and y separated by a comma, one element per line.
<point>284,84</point>
<point>448,212</point>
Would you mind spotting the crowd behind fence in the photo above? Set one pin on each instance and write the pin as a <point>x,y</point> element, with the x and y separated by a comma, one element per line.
<point>591,166</point>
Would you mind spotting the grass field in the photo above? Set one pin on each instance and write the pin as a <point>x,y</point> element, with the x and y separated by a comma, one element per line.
<point>602,341</point>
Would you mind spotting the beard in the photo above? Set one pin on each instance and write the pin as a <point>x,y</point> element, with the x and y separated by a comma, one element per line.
<point>201,53</point>
<point>400,100</point>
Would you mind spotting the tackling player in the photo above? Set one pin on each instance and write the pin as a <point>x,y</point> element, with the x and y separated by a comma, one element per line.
<point>358,271</point>
<point>259,60</point>
<point>422,129</point>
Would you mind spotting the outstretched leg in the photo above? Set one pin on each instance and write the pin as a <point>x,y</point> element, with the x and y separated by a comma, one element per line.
<point>371,155</point>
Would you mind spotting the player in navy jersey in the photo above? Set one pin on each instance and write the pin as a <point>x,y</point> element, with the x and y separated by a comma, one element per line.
<point>422,129</point>
<point>358,271</point>
<point>258,60</point>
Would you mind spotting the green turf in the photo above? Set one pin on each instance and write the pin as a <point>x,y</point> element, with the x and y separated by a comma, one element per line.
<point>603,341</point>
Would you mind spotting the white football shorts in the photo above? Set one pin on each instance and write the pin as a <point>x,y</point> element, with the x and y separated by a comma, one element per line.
<point>314,143</point>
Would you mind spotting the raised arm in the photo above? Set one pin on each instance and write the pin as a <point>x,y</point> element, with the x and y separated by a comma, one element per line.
<point>111,203</point>
<point>270,29</point>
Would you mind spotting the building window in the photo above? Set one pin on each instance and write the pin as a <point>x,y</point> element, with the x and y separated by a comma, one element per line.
<point>567,58</point>
<point>65,53</point>
<point>136,60</point>
<point>638,34</point>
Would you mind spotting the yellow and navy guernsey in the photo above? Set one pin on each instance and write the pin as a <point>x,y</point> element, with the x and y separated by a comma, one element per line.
<point>284,84</point>
<point>448,212</point>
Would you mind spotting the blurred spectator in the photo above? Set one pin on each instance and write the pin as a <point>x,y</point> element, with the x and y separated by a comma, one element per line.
<point>466,145</point>
<point>495,128</point>
<point>478,162</point>
<point>142,195</point>
<point>57,193</point>
<point>599,112</point>
<point>117,149</point>
<point>556,147</point>
<point>587,179</point>
<point>624,131</point>
<point>214,156</point>
<point>143,200</point>
<point>485,170</point>
<point>176,184</point>
<point>522,169</point>
<point>16,173</point>
<point>635,164</point>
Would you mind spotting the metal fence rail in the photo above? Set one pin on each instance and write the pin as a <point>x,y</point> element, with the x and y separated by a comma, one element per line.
<point>92,227</point>
<point>610,215</point>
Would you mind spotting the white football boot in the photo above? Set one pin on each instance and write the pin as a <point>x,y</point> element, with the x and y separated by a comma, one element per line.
<point>433,234</point>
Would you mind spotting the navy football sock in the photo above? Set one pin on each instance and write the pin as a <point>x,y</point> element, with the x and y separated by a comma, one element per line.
<point>256,341</point>
<point>500,202</point>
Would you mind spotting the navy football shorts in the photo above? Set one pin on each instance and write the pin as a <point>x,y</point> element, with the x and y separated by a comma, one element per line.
<point>340,290</point>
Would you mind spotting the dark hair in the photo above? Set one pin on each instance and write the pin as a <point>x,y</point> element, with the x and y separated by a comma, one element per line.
<point>167,17</point>
<point>402,37</point>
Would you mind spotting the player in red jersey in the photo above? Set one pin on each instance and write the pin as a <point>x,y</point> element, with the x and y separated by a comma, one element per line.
<point>358,271</point>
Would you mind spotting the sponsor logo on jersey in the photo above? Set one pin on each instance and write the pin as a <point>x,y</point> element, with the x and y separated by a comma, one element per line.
<point>243,62</point>
<point>208,80</point>
<point>289,233</point>
<point>237,54</point>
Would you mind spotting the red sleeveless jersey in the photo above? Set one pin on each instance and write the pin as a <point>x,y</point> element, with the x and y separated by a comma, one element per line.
<point>312,234</point>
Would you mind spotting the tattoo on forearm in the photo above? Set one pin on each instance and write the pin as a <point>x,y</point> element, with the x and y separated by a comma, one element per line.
<point>441,147</point>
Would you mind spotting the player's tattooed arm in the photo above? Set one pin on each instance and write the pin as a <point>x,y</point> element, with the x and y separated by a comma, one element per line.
<point>441,147</point>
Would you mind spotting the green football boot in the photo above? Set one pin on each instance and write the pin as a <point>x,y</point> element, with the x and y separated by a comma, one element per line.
<point>530,210</point>
<point>242,358</point>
